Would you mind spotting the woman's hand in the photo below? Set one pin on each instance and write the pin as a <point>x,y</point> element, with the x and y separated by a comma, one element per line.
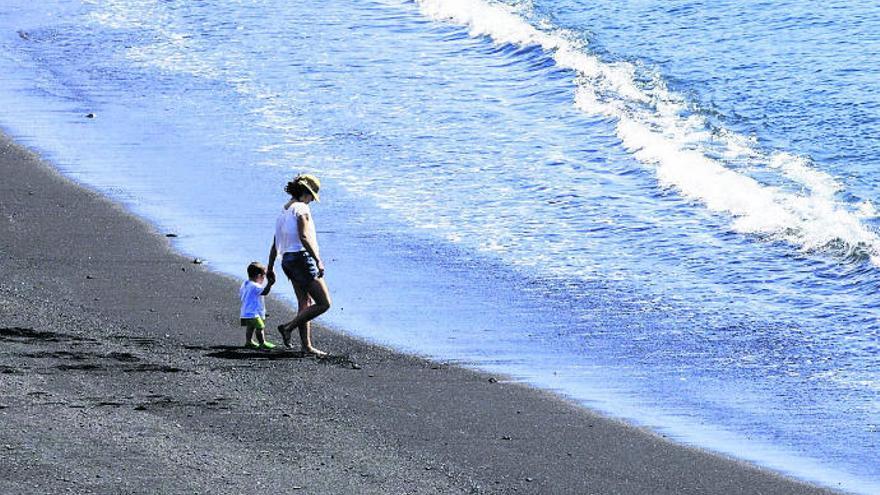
<point>320,268</point>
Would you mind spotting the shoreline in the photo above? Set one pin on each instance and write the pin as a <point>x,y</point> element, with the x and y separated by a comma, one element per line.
<point>122,372</point>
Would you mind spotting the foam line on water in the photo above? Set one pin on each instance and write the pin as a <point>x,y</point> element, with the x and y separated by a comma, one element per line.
<point>661,130</point>
<point>656,125</point>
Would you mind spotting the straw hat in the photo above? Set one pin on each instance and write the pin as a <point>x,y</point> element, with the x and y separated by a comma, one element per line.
<point>311,183</point>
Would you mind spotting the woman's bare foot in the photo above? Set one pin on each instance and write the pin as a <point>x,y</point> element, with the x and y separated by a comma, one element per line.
<point>314,352</point>
<point>285,335</point>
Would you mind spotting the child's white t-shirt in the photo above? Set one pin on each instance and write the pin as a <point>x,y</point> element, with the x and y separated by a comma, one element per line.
<point>252,300</point>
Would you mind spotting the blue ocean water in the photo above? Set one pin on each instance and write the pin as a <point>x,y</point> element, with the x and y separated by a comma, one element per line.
<point>662,210</point>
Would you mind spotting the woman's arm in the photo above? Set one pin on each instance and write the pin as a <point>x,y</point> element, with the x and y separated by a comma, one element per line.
<point>273,253</point>
<point>303,222</point>
<point>270,281</point>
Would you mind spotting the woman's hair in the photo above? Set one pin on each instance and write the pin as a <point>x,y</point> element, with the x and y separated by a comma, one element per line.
<point>295,188</point>
<point>303,184</point>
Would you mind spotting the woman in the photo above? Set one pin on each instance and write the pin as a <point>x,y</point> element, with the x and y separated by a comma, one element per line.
<point>296,242</point>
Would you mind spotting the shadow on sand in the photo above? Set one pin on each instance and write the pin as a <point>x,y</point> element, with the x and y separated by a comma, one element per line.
<point>243,353</point>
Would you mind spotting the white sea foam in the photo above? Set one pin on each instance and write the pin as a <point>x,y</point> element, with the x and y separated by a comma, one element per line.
<point>712,166</point>
<point>657,126</point>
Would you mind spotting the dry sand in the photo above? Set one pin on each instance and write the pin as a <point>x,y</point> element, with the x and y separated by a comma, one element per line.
<point>120,372</point>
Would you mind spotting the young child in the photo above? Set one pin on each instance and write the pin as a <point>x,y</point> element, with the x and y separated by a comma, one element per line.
<point>253,307</point>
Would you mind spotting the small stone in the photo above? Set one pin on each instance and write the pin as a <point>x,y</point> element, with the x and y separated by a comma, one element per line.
<point>506,437</point>
<point>493,380</point>
<point>197,261</point>
<point>529,480</point>
<point>355,366</point>
<point>90,115</point>
<point>170,235</point>
<point>89,277</point>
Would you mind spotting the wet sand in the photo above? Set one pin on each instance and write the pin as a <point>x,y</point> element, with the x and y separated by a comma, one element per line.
<point>121,372</point>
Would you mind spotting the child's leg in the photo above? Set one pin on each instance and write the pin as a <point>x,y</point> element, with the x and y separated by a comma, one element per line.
<point>260,333</point>
<point>249,334</point>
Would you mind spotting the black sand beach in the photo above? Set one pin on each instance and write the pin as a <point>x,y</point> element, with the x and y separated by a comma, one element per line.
<point>120,372</point>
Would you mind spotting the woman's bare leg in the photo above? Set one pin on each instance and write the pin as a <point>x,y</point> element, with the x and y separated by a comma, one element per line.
<point>312,301</point>
<point>303,301</point>
<point>320,296</point>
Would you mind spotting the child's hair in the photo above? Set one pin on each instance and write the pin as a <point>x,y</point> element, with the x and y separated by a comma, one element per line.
<point>255,268</point>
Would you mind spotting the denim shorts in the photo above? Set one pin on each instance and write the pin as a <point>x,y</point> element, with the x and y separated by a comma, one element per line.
<point>300,267</point>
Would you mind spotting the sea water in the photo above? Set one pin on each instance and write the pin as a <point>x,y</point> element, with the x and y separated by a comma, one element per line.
<point>662,210</point>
